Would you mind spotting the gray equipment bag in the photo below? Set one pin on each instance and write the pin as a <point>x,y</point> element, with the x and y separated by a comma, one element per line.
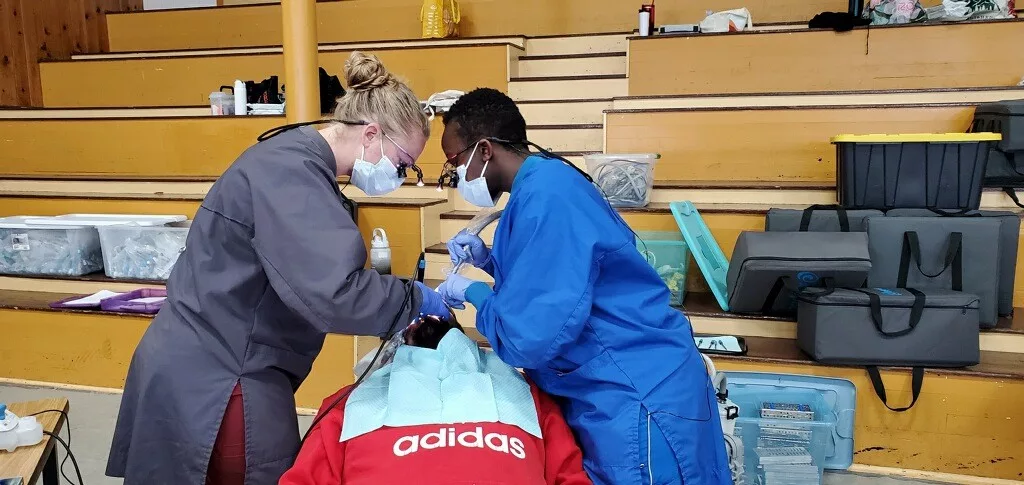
<point>938,253</point>
<point>818,218</point>
<point>890,327</point>
<point>764,264</point>
<point>1009,232</point>
<point>1005,167</point>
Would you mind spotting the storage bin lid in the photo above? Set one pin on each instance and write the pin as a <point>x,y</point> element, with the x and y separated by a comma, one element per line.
<point>22,222</point>
<point>106,219</point>
<point>840,394</point>
<point>705,249</point>
<point>636,157</point>
<point>919,138</point>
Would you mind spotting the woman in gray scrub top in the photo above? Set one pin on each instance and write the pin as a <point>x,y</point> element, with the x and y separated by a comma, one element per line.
<point>273,263</point>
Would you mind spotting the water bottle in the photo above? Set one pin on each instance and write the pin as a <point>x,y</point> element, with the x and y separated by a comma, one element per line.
<point>380,252</point>
<point>645,23</point>
<point>240,99</point>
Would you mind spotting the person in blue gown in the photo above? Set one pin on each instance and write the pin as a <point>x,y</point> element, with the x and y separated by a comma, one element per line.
<point>576,306</point>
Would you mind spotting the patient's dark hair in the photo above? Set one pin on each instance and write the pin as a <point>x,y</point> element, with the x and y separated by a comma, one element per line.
<point>431,330</point>
<point>485,113</point>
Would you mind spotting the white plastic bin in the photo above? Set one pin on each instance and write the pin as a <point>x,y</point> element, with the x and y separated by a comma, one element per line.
<point>50,250</point>
<point>626,179</point>
<point>142,252</point>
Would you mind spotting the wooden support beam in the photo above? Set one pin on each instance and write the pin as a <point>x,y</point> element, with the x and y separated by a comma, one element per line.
<point>300,60</point>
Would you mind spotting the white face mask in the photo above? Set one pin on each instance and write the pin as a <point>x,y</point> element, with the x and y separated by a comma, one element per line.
<point>376,179</point>
<point>474,191</point>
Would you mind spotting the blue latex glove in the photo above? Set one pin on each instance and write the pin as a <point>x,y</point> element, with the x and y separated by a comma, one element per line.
<point>453,290</point>
<point>477,255</point>
<point>432,303</point>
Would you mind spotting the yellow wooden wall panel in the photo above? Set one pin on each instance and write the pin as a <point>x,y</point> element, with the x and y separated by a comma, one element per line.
<point>958,55</point>
<point>183,29</point>
<point>95,350</point>
<point>128,147</point>
<point>52,206</point>
<point>960,425</point>
<point>372,20</point>
<point>332,370</point>
<point>764,145</point>
<point>189,81</point>
<point>165,147</point>
<point>404,231</point>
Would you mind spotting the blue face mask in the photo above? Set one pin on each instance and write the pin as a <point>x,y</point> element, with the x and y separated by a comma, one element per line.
<point>474,191</point>
<point>376,179</point>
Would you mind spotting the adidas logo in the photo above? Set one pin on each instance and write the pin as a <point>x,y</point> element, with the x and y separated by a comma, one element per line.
<point>446,437</point>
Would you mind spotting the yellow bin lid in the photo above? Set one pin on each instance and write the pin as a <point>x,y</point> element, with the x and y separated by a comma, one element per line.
<point>919,138</point>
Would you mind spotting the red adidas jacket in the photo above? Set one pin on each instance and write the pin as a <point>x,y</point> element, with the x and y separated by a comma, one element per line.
<point>435,454</point>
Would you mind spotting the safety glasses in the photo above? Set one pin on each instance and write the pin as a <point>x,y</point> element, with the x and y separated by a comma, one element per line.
<point>402,166</point>
<point>449,177</point>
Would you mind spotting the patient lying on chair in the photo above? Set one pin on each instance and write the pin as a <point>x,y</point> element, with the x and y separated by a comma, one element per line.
<point>442,411</point>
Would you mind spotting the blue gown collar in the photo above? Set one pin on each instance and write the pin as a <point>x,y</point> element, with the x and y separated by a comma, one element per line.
<point>528,166</point>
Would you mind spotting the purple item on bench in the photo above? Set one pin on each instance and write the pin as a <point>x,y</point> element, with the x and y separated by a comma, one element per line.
<point>124,303</point>
<point>74,302</point>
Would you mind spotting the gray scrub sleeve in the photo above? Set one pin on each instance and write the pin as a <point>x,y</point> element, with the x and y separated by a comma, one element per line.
<point>314,255</point>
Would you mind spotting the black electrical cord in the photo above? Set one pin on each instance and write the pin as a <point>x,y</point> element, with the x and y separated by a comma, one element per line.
<point>67,423</point>
<point>406,302</point>
<point>70,454</point>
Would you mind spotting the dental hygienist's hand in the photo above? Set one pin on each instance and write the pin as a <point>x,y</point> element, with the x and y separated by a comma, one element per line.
<point>477,255</point>
<point>454,289</point>
<point>432,303</point>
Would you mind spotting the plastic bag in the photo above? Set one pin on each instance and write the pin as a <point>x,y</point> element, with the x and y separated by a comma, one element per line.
<point>735,20</point>
<point>440,19</point>
<point>891,12</point>
<point>441,102</point>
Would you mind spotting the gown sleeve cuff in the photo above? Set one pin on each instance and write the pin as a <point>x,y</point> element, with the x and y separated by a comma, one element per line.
<point>477,293</point>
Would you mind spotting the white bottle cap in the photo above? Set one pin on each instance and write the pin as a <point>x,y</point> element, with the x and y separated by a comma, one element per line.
<point>380,239</point>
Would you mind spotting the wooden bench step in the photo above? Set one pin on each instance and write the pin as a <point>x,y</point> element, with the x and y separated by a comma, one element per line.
<point>959,55</point>
<point>188,81</point>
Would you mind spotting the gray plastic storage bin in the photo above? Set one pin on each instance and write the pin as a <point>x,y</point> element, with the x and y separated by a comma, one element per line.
<point>55,250</point>
<point>140,252</point>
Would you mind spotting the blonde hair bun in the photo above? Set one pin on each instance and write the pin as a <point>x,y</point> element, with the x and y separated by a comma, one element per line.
<point>364,72</point>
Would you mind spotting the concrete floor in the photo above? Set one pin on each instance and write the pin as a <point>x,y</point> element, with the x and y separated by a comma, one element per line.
<point>93,415</point>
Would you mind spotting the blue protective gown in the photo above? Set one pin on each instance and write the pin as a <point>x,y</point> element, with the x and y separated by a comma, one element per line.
<point>579,309</point>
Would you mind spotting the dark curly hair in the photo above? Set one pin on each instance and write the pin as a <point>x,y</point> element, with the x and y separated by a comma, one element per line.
<point>487,113</point>
<point>428,330</point>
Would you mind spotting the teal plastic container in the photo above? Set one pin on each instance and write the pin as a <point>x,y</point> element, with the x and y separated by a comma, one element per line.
<point>668,254</point>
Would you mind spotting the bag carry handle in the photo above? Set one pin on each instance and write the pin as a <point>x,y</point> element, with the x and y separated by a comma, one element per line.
<point>788,283</point>
<point>844,219</point>
<point>917,380</point>
<point>954,259</point>
<point>956,213</point>
<point>1012,194</point>
<point>916,311</point>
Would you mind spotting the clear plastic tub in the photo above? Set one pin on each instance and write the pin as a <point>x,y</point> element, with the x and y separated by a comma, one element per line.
<point>626,180</point>
<point>784,451</point>
<point>668,254</point>
<point>48,250</point>
<point>141,252</point>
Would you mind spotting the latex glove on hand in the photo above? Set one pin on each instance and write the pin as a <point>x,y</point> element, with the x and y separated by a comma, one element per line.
<point>455,288</point>
<point>477,253</point>
<point>432,303</point>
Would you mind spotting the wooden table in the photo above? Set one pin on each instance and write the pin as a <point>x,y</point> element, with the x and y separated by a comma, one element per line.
<point>30,462</point>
